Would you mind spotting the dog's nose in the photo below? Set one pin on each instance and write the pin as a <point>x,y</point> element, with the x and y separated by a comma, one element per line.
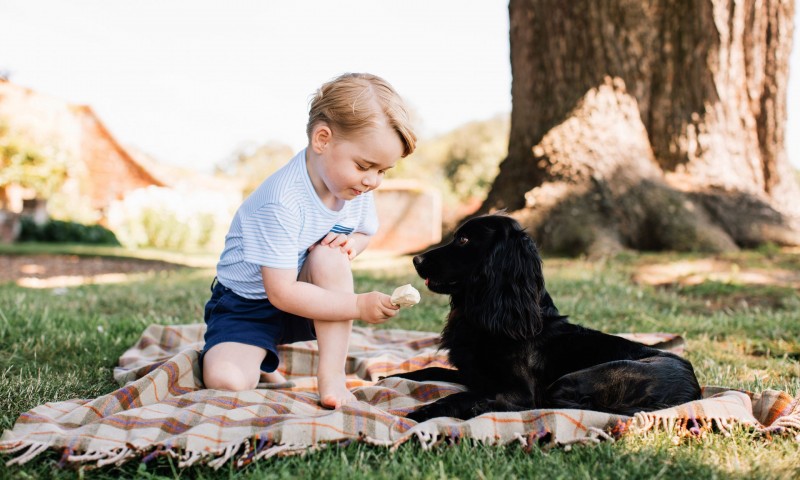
<point>417,260</point>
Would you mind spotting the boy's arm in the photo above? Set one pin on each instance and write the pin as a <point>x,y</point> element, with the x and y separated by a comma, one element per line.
<point>310,301</point>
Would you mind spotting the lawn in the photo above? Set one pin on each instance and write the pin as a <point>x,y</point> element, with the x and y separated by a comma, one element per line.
<point>57,344</point>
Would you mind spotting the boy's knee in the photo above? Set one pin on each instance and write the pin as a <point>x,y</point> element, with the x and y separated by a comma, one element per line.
<point>232,380</point>
<point>324,259</point>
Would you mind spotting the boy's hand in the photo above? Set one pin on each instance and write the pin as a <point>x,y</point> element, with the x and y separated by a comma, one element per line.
<point>337,240</point>
<point>375,307</point>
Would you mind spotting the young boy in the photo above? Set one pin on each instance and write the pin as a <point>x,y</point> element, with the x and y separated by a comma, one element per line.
<point>284,275</point>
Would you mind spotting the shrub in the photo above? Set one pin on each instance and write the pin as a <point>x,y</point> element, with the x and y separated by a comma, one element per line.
<point>58,231</point>
<point>172,219</point>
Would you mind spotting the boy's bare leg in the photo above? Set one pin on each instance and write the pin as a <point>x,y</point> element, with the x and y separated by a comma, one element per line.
<point>232,366</point>
<point>333,339</point>
<point>329,268</point>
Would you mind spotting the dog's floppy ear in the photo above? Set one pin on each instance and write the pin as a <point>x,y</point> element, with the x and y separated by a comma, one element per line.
<point>504,295</point>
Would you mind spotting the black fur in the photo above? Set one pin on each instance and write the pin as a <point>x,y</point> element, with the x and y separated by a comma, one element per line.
<point>514,351</point>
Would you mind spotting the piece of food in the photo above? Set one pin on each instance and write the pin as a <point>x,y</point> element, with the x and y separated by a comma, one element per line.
<point>405,296</point>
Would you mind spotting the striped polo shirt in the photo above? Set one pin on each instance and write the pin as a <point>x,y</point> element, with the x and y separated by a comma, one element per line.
<point>277,223</point>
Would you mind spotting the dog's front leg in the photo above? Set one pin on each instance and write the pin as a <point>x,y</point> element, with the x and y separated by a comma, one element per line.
<point>432,374</point>
<point>466,405</point>
<point>458,405</point>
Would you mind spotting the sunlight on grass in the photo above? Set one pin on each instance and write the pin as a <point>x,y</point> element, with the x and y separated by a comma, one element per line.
<point>77,280</point>
<point>696,272</point>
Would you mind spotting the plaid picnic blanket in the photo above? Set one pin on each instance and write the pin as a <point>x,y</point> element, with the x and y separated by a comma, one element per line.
<point>163,409</point>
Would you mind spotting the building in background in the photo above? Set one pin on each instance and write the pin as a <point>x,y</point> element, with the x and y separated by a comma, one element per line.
<point>69,166</point>
<point>95,170</point>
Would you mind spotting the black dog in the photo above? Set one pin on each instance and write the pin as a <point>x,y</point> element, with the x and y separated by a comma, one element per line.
<point>514,351</point>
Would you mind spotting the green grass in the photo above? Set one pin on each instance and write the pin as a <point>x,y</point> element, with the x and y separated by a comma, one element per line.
<point>59,346</point>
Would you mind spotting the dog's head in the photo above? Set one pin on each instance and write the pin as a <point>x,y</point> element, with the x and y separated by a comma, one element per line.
<point>493,272</point>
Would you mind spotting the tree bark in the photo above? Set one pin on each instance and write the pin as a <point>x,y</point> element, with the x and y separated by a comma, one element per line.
<point>650,124</point>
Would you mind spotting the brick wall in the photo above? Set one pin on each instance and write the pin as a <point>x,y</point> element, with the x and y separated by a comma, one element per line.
<point>410,215</point>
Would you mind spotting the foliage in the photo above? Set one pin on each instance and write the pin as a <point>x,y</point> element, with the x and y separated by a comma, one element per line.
<point>166,218</point>
<point>463,162</point>
<point>55,347</point>
<point>41,167</point>
<point>68,206</point>
<point>253,163</point>
<point>59,231</point>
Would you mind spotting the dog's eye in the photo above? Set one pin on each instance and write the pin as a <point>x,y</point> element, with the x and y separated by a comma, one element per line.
<point>461,241</point>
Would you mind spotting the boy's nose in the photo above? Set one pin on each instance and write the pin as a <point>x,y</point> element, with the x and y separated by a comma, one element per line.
<point>370,180</point>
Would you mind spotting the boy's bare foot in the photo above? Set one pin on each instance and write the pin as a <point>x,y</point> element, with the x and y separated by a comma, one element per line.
<point>333,392</point>
<point>272,377</point>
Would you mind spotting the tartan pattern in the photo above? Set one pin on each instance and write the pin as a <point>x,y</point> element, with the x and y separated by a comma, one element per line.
<point>163,409</point>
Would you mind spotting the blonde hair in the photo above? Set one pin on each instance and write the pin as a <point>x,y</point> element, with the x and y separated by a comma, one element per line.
<point>351,103</point>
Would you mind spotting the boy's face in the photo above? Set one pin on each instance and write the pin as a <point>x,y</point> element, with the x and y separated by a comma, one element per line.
<point>353,166</point>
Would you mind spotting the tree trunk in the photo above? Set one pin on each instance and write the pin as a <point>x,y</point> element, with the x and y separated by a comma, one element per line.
<point>650,124</point>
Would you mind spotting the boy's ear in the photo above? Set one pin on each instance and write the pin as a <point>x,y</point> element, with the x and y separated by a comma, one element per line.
<point>321,135</point>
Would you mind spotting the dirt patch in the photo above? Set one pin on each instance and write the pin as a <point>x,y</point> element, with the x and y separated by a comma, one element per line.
<point>49,271</point>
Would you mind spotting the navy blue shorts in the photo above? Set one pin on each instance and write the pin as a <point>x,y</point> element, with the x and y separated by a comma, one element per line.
<point>231,318</point>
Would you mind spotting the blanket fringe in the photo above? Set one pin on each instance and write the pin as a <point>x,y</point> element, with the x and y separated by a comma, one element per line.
<point>224,456</point>
<point>34,449</point>
<point>789,422</point>
<point>644,422</point>
<point>18,447</point>
<point>698,427</point>
<point>90,456</point>
<point>189,458</point>
<point>275,450</point>
<point>117,459</point>
<point>428,436</point>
